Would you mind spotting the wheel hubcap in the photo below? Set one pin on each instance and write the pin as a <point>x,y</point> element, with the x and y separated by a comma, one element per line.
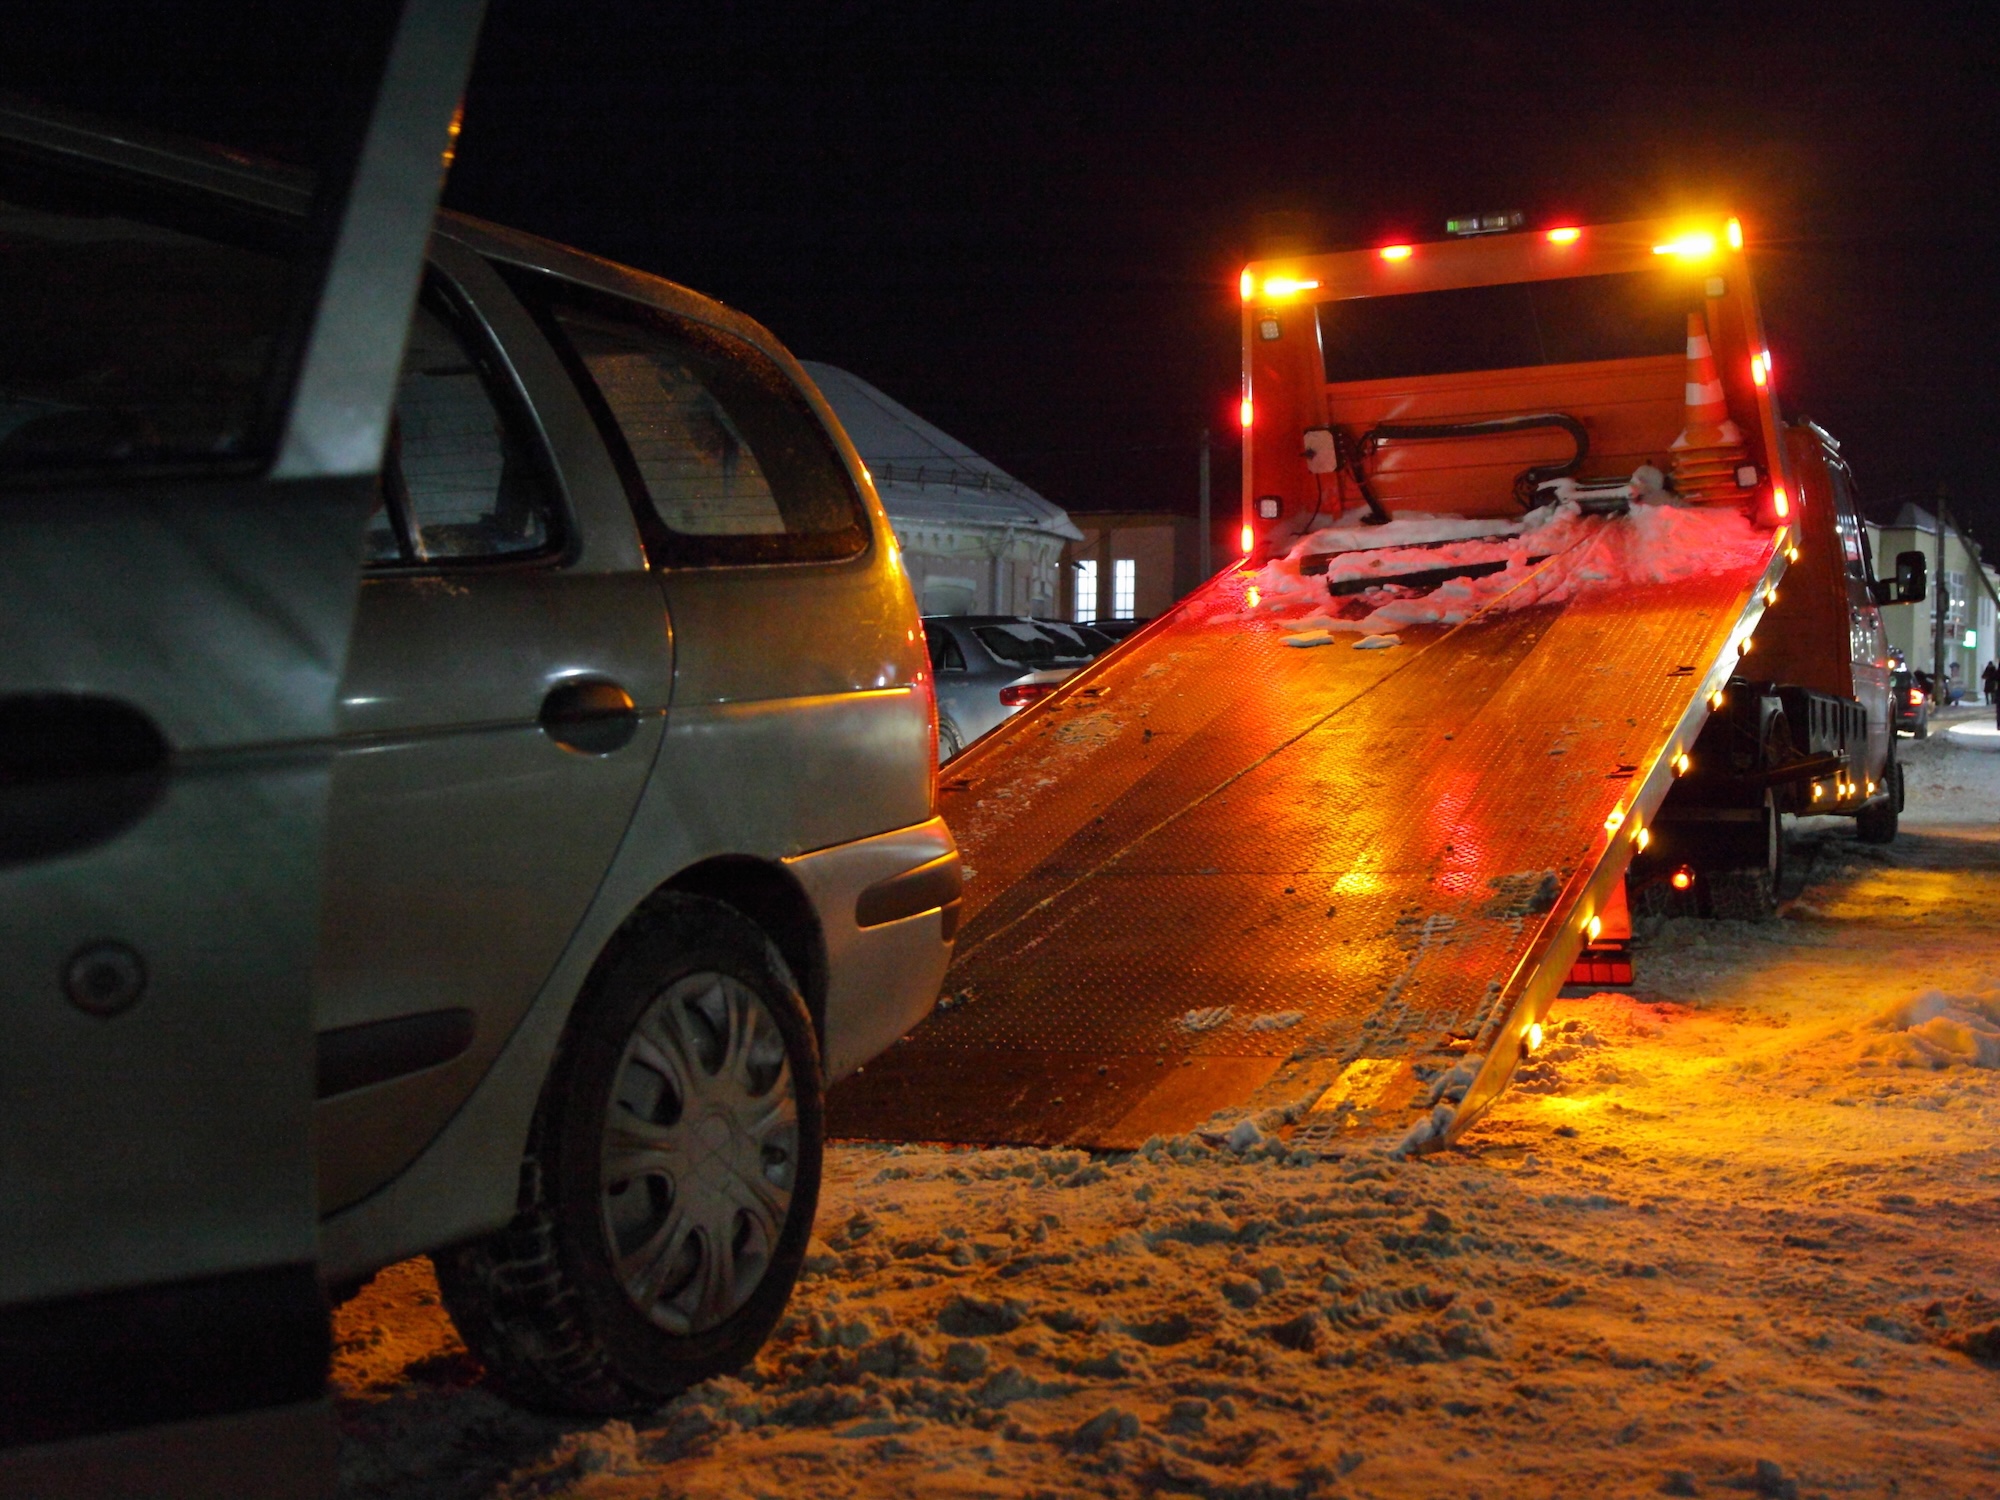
<point>700,1152</point>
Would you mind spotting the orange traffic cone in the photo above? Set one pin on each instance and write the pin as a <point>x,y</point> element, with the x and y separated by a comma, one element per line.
<point>1710,449</point>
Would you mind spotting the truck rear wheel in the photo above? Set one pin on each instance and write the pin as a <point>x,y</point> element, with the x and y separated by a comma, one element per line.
<point>1876,822</point>
<point>671,1181</point>
<point>1746,868</point>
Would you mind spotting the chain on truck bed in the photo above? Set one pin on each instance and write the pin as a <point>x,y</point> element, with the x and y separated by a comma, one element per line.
<point>1216,870</point>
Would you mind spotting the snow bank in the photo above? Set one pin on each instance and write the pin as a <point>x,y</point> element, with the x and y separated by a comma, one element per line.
<point>1546,557</point>
<point>1937,1030</point>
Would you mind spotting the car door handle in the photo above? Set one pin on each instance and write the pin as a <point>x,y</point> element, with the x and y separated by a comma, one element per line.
<point>75,769</point>
<point>590,715</point>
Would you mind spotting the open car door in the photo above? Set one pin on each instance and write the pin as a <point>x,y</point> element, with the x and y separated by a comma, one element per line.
<point>194,390</point>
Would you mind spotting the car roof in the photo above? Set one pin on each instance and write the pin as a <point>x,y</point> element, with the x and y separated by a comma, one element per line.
<point>285,190</point>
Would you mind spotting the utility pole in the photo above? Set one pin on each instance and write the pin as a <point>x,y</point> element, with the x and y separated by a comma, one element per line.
<point>1943,591</point>
<point>1207,521</point>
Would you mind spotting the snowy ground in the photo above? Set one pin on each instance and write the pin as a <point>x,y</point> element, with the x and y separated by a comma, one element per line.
<point>1735,1232</point>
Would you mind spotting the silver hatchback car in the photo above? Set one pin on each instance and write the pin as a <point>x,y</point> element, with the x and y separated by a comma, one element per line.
<point>631,846</point>
<point>990,667</point>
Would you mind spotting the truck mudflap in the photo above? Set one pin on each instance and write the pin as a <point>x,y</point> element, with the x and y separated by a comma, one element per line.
<point>1219,874</point>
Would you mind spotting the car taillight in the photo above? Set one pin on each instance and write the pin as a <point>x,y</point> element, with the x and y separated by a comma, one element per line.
<point>928,689</point>
<point>1018,693</point>
<point>1916,696</point>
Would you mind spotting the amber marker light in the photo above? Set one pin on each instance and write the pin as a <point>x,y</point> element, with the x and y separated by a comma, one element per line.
<point>1696,246</point>
<point>1818,791</point>
<point>1533,1036</point>
<point>1683,763</point>
<point>1395,252</point>
<point>1682,878</point>
<point>1641,837</point>
<point>1715,699</point>
<point>1791,554</point>
<point>1871,788</point>
<point>1565,236</point>
<point>1611,823</point>
<point>1735,232</point>
<point>1247,284</point>
<point>1770,596</point>
<point>1284,286</point>
<point>1593,927</point>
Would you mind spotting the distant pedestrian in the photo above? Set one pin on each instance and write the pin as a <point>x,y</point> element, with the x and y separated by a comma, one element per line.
<point>1989,679</point>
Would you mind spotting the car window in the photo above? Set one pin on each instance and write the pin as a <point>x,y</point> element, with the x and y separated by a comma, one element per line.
<point>140,332</point>
<point>1026,646</point>
<point>945,653</point>
<point>726,461</point>
<point>459,481</point>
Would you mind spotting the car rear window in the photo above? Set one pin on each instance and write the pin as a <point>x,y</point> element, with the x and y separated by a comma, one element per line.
<point>134,333</point>
<point>725,460</point>
<point>1028,646</point>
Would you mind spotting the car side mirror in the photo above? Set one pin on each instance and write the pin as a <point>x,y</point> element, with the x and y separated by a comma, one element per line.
<point>1911,583</point>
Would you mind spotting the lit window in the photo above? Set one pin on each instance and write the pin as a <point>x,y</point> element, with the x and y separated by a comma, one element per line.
<point>1124,587</point>
<point>1086,591</point>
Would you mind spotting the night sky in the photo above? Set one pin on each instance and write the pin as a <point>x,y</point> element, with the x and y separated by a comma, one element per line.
<point>1025,220</point>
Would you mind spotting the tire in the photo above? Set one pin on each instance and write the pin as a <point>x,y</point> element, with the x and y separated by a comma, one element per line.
<point>950,741</point>
<point>671,1179</point>
<point>1745,873</point>
<point>1876,822</point>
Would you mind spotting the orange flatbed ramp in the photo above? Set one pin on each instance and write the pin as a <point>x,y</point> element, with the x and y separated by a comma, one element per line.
<point>1217,869</point>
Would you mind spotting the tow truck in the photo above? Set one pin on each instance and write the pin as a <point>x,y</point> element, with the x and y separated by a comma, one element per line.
<point>1621,622</point>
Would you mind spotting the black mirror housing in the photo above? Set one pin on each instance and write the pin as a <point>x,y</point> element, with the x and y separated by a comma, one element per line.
<point>1909,586</point>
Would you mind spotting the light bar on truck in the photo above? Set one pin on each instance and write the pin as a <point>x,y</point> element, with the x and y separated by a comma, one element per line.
<point>1565,236</point>
<point>1395,252</point>
<point>1285,286</point>
<point>1485,223</point>
<point>1247,284</point>
<point>1735,234</point>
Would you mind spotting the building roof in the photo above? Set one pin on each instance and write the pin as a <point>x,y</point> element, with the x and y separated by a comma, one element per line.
<point>925,474</point>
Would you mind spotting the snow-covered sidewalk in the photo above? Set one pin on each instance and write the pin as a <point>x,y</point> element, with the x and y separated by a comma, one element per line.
<point>1734,1232</point>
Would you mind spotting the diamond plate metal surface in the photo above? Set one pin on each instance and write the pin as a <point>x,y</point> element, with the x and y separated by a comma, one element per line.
<point>1212,855</point>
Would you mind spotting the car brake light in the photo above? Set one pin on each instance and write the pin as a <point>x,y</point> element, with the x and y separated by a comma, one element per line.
<point>1017,693</point>
<point>1916,697</point>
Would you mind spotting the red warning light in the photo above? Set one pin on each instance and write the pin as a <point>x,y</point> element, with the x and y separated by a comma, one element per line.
<point>1565,236</point>
<point>1246,414</point>
<point>1683,878</point>
<point>1249,540</point>
<point>1395,252</point>
<point>1780,502</point>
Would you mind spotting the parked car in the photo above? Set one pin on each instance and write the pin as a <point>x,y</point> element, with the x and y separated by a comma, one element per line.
<point>990,667</point>
<point>1909,705</point>
<point>631,843</point>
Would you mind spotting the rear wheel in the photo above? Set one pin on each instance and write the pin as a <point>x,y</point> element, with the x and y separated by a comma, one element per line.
<point>671,1180</point>
<point>1745,868</point>
<point>950,741</point>
<point>1876,823</point>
